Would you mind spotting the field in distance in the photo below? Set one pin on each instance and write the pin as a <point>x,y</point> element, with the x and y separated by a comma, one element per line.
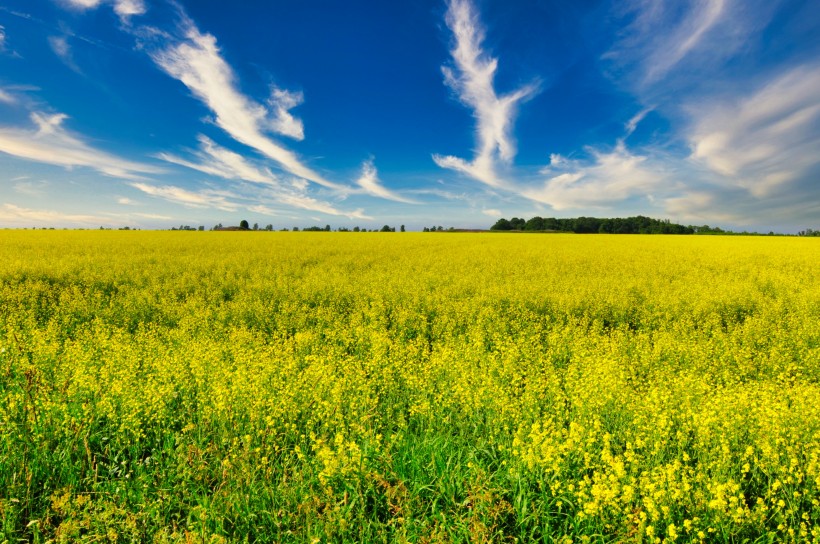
<point>302,387</point>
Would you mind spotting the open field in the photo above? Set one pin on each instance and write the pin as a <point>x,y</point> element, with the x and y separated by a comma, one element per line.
<point>340,387</point>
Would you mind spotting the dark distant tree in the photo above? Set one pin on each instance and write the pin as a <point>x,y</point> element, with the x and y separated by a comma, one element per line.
<point>244,225</point>
<point>256,226</point>
<point>535,223</point>
<point>425,229</point>
<point>356,229</point>
<point>295,229</point>
<point>386,228</point>
<point>269,227</point>
<point>502,224</point>
<point>517,223</point>
<point>402,228</point>
<point>327,228</point>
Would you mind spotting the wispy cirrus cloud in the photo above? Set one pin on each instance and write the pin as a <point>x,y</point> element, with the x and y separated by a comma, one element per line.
<point>218,161</point>
<point>293,195</point>
<point>604,178</point>
<point>215,160</point>
<point>764,140</point>
<point>48,141</point>
<point>6,97</point>
<point>17,216</point>
<point>207,198</point>
<point>283,122</point>
<point>299,199</point>
<point>196,61</point>
<point>125,9</point>
<point>661,35</point>
<point>370,184</point>
<point>608,177</point>
<point>34,189</point>
<point>472,79</point>
<point>61,48</point>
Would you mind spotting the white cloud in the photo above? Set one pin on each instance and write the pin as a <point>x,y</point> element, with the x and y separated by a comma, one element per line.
<point>492,212</point>
<point>667,48</point>
<point>281,102</point>
<point>197,63</point>
<point>207,198</point>
<point>126,201</point>
<point>472,79</point>
<point>662,35</point>
<point>610,178</point>
<point>127,8</point>
<point>764,140</point>
<point>440,193</point>
<point>152,216</point>
<point>690,31</point>
<point>34,189</point>
<point>305,202</point>
<point>370,184</point>
<point>50,143</point>
<point>16,216</point>
<point>7,98</point>
<point>124,8</point>
<point>61,48</point>
<point>83,4</point>
<point>293,195</point>
<point>633,122</point>
<point>217,161</point>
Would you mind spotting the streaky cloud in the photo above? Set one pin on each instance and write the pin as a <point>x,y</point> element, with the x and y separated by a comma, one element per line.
<point>282,121</point>
<point>661,35</point>
<point>61,48</point>
<point>6,97</point>
<point>13,215</point>
<point>370,184</point>
<point>215,160</point>
<point>49,142</point>
<point>197,63</point>
<point>218,161</point>
<point>125,9</point>
<point>472,79</point>
<point>610,177</point>
<point>764,140</point>
<point>207,198</point>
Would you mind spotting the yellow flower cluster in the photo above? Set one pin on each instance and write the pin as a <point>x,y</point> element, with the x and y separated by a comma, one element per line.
<point>292,386</point>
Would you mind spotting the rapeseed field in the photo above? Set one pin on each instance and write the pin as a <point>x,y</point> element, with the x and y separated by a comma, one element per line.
<point>408,387</point>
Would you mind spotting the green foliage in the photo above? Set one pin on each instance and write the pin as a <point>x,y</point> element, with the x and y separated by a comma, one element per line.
<point>297,388</point>
<point>588,225</point>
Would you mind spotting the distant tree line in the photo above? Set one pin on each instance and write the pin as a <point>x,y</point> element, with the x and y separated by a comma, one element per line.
<point>619,225</point>
<point>244,225</point>
<point>638,224</point>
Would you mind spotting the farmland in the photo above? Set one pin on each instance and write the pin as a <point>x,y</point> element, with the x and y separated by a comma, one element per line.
<point>341,387</point>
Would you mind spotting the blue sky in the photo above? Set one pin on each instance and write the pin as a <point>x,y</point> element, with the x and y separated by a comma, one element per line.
<point>156,113</point>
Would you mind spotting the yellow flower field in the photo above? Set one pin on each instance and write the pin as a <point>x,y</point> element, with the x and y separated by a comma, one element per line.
<point>369,387</point>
